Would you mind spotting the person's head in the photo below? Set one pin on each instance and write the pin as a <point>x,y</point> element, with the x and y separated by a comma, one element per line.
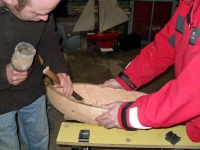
<point>31,10</point>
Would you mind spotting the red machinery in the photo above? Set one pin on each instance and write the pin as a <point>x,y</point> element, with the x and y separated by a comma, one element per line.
<point>104,40</point>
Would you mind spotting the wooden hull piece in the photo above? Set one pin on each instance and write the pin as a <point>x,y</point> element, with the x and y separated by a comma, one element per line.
<point>94,97</point>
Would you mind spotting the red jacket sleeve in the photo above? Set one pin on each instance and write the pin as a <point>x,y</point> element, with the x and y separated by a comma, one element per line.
<point>193,129</point>
<point>176,102</point>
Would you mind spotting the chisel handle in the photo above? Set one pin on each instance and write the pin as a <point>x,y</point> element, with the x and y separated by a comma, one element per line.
<point>56,79</point>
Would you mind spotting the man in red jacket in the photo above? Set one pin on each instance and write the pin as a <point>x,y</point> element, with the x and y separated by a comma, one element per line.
<point>178,101</point>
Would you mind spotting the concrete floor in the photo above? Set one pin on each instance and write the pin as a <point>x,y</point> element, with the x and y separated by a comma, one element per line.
<point>87,66</point>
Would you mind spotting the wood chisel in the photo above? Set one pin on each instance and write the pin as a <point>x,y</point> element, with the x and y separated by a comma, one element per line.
<point>56,79</point>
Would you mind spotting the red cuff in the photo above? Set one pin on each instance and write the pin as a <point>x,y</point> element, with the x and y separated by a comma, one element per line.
<point>120,115</point>
<point>123,84</point>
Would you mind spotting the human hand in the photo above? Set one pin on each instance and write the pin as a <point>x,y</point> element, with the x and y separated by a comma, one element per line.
<point>110,118</point>
<point>15,77</point>
<point>65,83</point>
<point>111,83</point>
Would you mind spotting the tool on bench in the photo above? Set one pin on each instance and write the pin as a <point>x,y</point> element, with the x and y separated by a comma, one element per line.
<point>56,79</point>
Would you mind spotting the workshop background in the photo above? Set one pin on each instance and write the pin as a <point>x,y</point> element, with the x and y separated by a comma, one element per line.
<point>89,65</point>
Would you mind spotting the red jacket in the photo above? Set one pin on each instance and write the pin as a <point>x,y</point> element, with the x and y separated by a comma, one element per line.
<point>178,101</point>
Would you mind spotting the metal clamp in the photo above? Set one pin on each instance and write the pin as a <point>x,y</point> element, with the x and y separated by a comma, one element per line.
<point>172,138</point>
<point>84,136</point>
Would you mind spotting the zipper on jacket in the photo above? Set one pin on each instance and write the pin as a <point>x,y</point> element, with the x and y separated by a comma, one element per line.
<point>189,18</point>
<point>11,17</point>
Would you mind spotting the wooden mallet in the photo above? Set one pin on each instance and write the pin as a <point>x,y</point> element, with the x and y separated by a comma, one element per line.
<point>23,56</point>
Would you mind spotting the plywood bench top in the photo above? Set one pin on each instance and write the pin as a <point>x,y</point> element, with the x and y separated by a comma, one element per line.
<point>101,137</point>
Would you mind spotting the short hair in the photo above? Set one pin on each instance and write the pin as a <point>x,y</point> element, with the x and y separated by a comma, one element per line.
<point>22,4</point>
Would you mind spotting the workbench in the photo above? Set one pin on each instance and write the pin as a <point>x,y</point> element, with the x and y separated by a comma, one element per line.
<point>119,138</point>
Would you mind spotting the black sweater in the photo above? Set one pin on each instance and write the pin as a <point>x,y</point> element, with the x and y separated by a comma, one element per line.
<point>45,39</point>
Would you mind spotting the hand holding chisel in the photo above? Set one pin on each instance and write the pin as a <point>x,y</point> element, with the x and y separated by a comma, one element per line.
<point>56,79</point>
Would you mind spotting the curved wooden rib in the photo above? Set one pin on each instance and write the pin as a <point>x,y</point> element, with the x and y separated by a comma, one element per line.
<point>94,96</point>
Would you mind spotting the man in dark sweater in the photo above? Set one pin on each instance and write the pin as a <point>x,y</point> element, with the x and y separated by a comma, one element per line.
<point>22,93</point>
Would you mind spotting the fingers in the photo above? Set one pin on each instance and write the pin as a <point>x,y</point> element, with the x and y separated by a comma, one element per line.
<point>111,83</point>
<point>101,118</point>
<point>68,87</point>
<point>105,84</point>
<point>107,121</point>
<point>65,83</point>
<point>104,117</point>
<point>108,106</point>
<point>15,77</point>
